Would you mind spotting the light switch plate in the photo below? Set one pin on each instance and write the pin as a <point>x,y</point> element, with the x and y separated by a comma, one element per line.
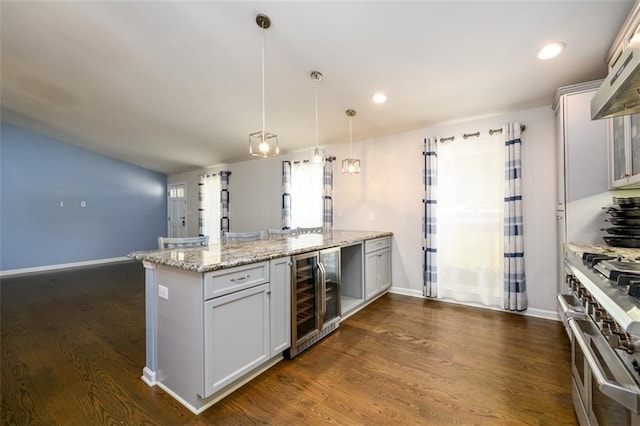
<point>163,292</point>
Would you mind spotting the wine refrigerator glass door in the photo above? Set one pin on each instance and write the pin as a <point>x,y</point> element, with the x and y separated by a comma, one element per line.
<point>330,260</point>
<point>305,302</point>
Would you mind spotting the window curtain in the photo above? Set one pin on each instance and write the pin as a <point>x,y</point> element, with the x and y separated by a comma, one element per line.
<point>470,221</point>
<point>225,201</point>
<point>515,288</point>
<point>429,247</point>
<point>327,195</point>
<point>208,208</point>
<point>286,195</point>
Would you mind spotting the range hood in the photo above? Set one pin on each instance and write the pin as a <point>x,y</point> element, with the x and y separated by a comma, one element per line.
<point>619,93</point>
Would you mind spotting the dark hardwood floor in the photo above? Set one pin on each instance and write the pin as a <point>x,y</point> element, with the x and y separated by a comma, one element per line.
<point>72,348</point>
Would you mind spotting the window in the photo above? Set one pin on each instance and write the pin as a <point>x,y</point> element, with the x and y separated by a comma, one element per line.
<point>470,221</point>
<point>176,192</point>
<point>306,195</point>
<point>210,206</point>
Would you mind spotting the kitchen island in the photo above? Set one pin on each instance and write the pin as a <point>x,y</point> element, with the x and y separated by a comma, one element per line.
<point>218,316</point>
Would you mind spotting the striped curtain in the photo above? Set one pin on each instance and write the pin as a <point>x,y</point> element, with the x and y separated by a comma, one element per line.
<point>286,195</point>
<point>515,288</point>
<point>201,207</point>
<point>224,202</point>
<point>429,246</point>
<point>327,195</point>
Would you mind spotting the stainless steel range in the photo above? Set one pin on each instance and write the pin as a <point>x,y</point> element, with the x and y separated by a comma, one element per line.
<point>600,309</point>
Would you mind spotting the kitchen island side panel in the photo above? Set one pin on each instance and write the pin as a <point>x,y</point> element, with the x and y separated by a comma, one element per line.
<point>180,332</point>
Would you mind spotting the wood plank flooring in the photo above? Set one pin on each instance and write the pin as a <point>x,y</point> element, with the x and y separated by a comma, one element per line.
<point>72,348</point>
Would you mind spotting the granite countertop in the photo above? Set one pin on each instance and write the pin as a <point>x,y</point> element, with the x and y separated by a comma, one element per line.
<point>628,254</point>
<point>226,255</point>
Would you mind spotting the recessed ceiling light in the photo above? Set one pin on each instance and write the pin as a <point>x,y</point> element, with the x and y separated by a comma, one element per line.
<point>550,50</point>
<point>379,98</point>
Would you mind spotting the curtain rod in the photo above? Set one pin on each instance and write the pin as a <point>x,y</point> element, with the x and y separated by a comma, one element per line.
<point>477,134</point>
<point>330,159</point>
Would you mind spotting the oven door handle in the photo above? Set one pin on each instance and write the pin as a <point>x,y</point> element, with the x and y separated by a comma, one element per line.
<point>621,394</point>
<point>567,310</point>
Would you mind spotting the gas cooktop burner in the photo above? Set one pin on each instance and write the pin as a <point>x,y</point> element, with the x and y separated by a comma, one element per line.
<point>593,258</point>
<point>612,268</point>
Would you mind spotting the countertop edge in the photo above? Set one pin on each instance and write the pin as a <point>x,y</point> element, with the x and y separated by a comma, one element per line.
<point>175,262</point>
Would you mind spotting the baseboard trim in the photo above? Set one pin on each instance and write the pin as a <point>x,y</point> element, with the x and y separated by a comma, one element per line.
<point>208,402</point>
<point>11,272</point>
<point>405,291</point>
<point>530,312</point>
<point>149,377</point>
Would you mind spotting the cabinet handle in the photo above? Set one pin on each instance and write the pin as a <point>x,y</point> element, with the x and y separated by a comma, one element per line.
<point>242,278</point>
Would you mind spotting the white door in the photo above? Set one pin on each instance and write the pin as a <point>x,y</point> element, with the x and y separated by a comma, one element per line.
<point>177,210</point>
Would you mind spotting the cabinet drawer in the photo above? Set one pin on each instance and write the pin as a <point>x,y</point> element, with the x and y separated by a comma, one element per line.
<point>377,244</point>
<point>219,283</point>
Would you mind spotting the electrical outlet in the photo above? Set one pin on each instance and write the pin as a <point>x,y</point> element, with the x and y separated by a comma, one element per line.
<point>61,203</point>
<point>83,204</point>
<point>163,292</point>
<point>372,216</point>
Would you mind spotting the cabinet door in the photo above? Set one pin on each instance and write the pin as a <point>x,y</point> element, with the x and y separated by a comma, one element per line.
<point>561,155</point>
<point>384,269</point>
<point>635,143</point>
<point>377,276</point>
<point>371,285</point>
<point>619,158</point>
<point>585,163</point>
<point>280,305</point>
<point>236,336</point>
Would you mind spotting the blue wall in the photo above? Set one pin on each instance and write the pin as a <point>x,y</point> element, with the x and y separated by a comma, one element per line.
<point>126,206</point>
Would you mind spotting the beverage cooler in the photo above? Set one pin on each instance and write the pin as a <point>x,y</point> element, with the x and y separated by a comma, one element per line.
<point>315,298</point>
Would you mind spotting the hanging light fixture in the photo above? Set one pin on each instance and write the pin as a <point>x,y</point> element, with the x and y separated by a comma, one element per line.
<point>316,155</point>
<point>350,166</point>
<point>263,143</point>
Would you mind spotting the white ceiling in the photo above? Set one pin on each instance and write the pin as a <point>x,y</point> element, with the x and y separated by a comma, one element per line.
<point>175,86</point>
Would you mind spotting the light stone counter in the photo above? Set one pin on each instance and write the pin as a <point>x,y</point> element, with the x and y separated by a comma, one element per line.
<point>226,255</point>
<point>577,249</point>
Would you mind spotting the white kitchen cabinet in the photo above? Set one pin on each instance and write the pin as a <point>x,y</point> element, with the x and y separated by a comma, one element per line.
<point>624,146</point>
<point>582,171</point>
<point>582,146</point>
<point>624,132</point>
<point>236,336</point>
<point>377,265</point>
<point>216,328</point>
<point>280,305</point>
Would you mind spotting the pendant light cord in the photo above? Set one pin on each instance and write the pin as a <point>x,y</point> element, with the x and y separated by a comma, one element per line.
<point>264,121</point>
<point>317,114</point>
<point>350,139</point>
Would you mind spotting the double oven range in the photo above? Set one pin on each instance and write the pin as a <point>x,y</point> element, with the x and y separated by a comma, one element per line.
<point>600,308</point>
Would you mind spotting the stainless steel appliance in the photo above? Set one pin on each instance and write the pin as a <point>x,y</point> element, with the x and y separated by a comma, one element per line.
<point>603,323</point>
<point>315,298</point>
<point>618,94</point>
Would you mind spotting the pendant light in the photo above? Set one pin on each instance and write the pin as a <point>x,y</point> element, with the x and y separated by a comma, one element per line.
<point>350,166</point>
<point>316,155</point>
<point>263,143</point>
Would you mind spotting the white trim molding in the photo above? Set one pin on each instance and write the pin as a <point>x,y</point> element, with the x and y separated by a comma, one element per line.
<point>530,312</point>
<point>12,272</point>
